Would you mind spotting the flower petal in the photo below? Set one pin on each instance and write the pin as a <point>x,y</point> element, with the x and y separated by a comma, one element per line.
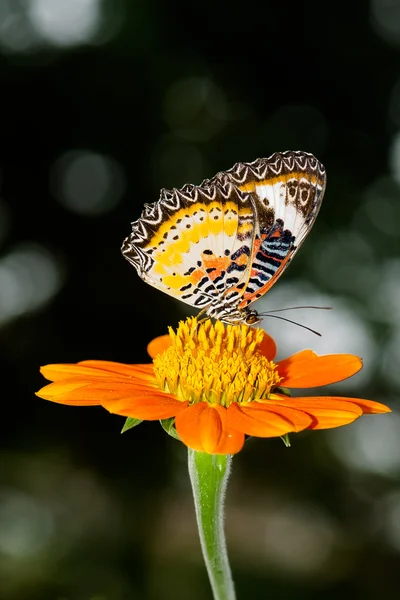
<point>326,411</point>
<point>95,368</point>
<point>141,371</point>
<point>369,407</point>
<point>267,347</point>
<point>82,391</point>
<point>59,392</point>
<point>118,395</point>
<point>266,419</point>
<point>203,427</point>
<point>150,407</point>
<point>308,369</point>
<point>158,345</point>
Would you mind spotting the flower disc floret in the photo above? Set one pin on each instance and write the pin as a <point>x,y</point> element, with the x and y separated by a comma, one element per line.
<point>214,363</point>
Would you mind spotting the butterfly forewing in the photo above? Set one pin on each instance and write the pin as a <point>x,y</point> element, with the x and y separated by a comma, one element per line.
<point>184,243</point>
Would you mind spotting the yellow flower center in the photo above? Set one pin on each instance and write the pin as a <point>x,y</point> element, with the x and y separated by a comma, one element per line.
<point>215,363</point>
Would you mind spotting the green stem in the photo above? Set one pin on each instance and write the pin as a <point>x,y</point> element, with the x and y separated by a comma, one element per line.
<point>209,477</point>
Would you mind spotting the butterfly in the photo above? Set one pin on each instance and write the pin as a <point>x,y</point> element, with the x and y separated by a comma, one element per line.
<point>221,245</point>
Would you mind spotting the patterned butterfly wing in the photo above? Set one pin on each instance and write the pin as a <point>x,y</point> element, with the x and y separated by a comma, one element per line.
<point>221,245</point>
<point>287,190</point>
<point>195,242</point>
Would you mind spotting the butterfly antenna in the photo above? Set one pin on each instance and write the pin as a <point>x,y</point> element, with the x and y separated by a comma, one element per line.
<point>293,323</point>
<point>294,308</point>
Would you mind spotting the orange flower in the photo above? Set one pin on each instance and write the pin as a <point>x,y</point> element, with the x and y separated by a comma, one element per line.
<point>219,383</point>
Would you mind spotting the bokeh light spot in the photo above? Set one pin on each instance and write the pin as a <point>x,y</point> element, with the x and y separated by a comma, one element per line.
<point>385,297</point>
<point>26,527</point>
<point>354,275</point>
<point>29,277</point>
<point>33,25</point>
<point>17,33</point>
<point>65,23</point>
<point>385,19</point>
<point>391,359</point>
<point>298,538</point>
<point>382,207</point>
<point>370,444</point>
<point>86,182</point>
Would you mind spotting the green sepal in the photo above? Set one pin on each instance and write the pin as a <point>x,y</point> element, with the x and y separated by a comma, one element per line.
<point>282,390</point>
<point>129,423</point>
<point>169,426</point>
<point>285,392</point>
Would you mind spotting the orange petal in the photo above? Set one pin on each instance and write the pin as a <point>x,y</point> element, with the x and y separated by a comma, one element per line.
<point>326,411</point>
<point>81,391</point>
<point>307,369</point>
<point>149,407</point>
<point>95,368</point>
<point>57,392</point>
<point>65,371</point>
<point>203,427</point>
<point>266,420</point>
<point>158,345</point>
<point>142,371</point>
<point>267,347</point>
<point>369,407</point>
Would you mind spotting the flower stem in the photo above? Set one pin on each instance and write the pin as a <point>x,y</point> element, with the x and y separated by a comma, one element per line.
<point>209,477</point>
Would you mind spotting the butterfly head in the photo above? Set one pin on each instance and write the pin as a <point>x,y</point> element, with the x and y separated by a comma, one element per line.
<point>251,317</point>
<point>243,316</point>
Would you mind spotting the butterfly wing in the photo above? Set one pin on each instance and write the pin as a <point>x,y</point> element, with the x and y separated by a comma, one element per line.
<point>287,190</point>
<point>226,242</point>
<point>195,242</point>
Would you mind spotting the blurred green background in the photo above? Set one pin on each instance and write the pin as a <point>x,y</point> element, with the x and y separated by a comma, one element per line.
<point>104,102</point>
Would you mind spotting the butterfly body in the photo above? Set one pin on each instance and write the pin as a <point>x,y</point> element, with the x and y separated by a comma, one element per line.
<point>222,245</point>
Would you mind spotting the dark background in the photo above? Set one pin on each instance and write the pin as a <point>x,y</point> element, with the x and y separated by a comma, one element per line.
<point>102,104</point>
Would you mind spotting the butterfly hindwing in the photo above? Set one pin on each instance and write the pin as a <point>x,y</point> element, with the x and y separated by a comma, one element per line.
<point>287,189</point>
